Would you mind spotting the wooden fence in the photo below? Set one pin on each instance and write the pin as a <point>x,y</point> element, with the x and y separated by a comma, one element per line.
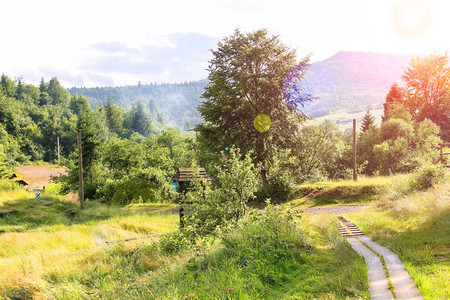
<point>442,154</point>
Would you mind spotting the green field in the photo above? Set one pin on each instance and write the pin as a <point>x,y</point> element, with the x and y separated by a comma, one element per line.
<point>52,249</point>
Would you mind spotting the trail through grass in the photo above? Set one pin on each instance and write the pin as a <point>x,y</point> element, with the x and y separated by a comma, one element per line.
<point>417,227</point>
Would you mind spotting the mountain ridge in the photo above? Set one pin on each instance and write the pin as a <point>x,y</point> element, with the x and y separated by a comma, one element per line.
<point>347,82</point>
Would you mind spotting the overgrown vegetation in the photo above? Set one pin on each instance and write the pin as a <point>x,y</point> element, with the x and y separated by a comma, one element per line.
<point>255,146</point>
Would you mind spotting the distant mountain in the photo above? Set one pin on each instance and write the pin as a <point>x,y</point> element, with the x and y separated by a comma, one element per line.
<point>352,81</point>
<point>346,83</point>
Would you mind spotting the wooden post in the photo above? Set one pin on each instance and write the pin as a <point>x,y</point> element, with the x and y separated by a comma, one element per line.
<point>355,176</point>
<point>57,142</point>
<point>80,170</point>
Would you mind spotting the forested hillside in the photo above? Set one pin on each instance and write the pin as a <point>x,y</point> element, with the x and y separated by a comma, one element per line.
<point>348,82</point>
<point>177,102</point>
<point>352,81</point>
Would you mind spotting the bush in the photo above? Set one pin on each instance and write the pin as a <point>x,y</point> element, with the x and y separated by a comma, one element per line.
<point>8,185</point>
<point>174,242</point>
<point>427,176</point>
<point>130,191</point>
<point>209,209</point>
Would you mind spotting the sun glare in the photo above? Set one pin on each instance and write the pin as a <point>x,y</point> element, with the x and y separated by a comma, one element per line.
<point>411,18</point>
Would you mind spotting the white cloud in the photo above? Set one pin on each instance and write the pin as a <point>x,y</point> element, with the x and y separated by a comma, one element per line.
<point>104,41</point>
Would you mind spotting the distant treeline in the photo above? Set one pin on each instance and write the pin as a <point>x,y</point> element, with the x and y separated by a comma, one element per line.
<point>177,102</point>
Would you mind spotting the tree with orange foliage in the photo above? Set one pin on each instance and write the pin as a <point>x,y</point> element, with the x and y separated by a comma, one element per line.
<point>427,91</point>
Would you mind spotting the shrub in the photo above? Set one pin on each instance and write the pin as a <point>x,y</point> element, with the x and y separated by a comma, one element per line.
<point>208,209</point>
<point>427,176</point>
<point>8,185</point>
<point>174,242</point>
<point>132,190</point>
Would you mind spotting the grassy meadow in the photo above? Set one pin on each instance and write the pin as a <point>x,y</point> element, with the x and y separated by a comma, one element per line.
<point>52,249</point>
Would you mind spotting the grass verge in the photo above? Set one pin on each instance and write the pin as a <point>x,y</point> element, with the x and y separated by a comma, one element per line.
<point>342,192</point>
<point>417,227</point>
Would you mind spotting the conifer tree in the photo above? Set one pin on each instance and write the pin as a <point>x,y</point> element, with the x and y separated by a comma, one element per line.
<point>114,117</point>
<point>367,122</point>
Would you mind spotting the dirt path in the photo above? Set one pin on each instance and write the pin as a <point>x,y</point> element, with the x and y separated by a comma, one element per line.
<point>342,209</point>
<point>39,176</point>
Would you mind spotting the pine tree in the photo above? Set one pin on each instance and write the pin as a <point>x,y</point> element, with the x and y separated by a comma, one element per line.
<point>367,122</point>
<point>114,117</point>
<point>44,98</point>
<point>141,121</point>
<point>20,90</point>
<point>7,85</point>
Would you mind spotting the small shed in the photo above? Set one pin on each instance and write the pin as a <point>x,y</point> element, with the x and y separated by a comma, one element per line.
<point>181,183</point>
<point>184,176</point>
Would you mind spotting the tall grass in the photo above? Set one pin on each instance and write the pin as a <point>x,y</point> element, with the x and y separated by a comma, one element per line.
<point>48,245</point>
<point>276,255</point>
<point>340,192</point>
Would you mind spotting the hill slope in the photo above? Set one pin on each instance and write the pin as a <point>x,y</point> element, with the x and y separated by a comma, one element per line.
<point>346,83</point>
<point>352,81</point>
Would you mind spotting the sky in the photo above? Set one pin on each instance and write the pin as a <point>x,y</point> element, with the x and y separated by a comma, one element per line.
<point>111,43</point>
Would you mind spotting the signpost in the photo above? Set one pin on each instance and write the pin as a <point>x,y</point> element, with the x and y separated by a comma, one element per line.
<point>80,169</point>
<point>38,193</point>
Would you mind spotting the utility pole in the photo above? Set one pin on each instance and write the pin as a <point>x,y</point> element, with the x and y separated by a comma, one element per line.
<point>80,170</point>
<point>57,142</point>
<point>355,176</point>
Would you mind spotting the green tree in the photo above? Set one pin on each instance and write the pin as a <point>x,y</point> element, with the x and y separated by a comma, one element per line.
<point>20,90</point>
<point>252,74</point>
<point>121,156</point>
<point>428,90</point>
<point>140,120</point>
<point>44,97</point>
<point>366,159</point>
<point>114,117</point>
<point>367,122</point>
<point>4,170</point>
<point>89,138</point>
<point>58,94</point>
<point>8,86</point>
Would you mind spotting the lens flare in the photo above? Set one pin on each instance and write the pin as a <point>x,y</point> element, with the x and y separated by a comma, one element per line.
<point>411,18</point>
<point>262,122</point>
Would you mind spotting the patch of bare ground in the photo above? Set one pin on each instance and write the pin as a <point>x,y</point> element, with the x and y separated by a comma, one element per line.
<point>39,176</point>
<point>335,209</point>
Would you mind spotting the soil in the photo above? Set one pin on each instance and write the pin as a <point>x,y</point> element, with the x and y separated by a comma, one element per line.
<point>39,176</point>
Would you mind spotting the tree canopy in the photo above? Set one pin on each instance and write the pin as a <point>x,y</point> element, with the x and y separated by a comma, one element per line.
<point>426,94</point>
<point>252,75</point>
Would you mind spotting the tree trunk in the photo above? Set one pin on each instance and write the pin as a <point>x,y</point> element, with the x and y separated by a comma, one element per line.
<point>264,176</point>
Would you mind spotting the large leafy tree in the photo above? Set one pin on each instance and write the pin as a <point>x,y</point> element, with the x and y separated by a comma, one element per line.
<point>428,90</point>
<point>252,74</point>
